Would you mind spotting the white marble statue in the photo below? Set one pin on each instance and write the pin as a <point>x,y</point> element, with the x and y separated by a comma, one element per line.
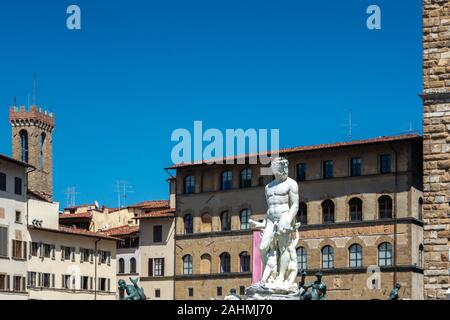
<point>278,244</point>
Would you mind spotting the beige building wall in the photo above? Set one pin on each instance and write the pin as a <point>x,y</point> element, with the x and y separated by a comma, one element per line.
<point>12,266</point>
<point>151,250</point>
<point>75,267</point>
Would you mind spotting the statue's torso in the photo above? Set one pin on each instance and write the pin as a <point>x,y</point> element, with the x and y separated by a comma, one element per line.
<point>277,199</point>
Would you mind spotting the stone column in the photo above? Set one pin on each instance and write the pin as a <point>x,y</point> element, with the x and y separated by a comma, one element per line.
<point>436,144</point>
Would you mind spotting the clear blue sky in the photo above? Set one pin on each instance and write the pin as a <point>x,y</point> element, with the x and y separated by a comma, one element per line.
<point>140,69</point>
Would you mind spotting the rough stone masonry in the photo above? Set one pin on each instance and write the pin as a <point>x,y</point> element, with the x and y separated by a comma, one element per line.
<point>436,144</point>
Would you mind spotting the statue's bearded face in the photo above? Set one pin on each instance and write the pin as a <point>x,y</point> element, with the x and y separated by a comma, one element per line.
<point>279,168</point>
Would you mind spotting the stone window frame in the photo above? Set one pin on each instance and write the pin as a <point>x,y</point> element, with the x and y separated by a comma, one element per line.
<point>359,262</point>
<point>229,181</point>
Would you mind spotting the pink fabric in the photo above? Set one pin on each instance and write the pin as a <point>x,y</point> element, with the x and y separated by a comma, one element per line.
<point>257,262</point>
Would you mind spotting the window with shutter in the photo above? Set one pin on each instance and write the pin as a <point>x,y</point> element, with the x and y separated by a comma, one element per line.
<point>109,285</point>
<point>23,284</point>
<point>8,282</point>
<point>162,267</point>
<point>150,267</point>
<point>24,256</point>
<point>91,256</point>
<point>53,251</point>
<point>53,280</point>
<point>41,250</point>
<point>3,241</point>
<point>31,249</point>
<point>81,255</point>
<point>39,275</point>
<point>63,249</point>
<point>72,252</point>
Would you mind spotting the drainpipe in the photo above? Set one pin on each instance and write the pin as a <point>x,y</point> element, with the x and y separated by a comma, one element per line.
<point>95,267</point>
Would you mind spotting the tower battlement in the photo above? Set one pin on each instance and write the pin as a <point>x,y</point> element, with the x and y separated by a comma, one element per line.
<point>21,117</point>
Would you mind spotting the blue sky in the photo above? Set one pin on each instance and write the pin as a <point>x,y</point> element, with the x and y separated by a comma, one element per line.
<point>140,69</point>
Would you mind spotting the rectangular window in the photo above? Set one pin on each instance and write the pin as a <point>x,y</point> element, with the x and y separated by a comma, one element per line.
<point>191,292</point>
<point>19,249</point>
<point>85,254</point>
<point>134,242</point>
<point>102,283</point>
<point>105,256</point>
<point>3,242</point>
<point>66,281</point>
<point>2,181</point>
<point>4,279</point>
<point>157,233</point>
<point>301,172</point>
<point>18,186</point>
<point>219,291</point>
<point>159,267</point>
<point>66,253</point>
<point>355,167</point>
<point>84,283</point>
<point>18,217</point>
<point>385,163</point>
<point>34,249</point>
<point>32,279</point>
<point>46,280</point>
<point>328,169</point>
<point>19,283</point>
<point>47,250</point>
<point>157,293</point>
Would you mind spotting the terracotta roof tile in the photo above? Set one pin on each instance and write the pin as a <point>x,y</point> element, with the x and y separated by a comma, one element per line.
<point>75,231</point>
<point>75,215</point>
<point>121,231</point>
<point>303,149</point>
<point>157,214</point>
<point>154,204</point>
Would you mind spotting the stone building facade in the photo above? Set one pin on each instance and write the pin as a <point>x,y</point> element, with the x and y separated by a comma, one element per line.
<point>360,205</point>
<point>32,143</point>
<point>436,146</point>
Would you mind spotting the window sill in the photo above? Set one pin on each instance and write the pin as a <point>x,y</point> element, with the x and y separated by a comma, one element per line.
<point>19,259</point>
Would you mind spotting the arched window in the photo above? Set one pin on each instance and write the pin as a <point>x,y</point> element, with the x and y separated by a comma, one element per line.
<point>244,259</point>
<point>205,264</point>
<point>24,145</point>
<point>188,224</point>
<point>225,262</point>
<point>245,217</point>
<point>187,264</point>
<point>421,256</point>
<point>385,254</point>
<point>226,180</point>
<point>246,178</point>
<point>385,207</point>
<point>189,184</point>
<point>302,213</point>
<point>132,265</point>
<point>355,208</point>
<point>327,257</point>
<point>121,265</point>
<point>355,256</point>
<point>302,259</point>
<point>327,211</point>
<point>41,151</point>
<point>420,209</point>
<point>225,220</point>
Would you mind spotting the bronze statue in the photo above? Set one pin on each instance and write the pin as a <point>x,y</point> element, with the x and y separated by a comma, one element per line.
<point>394,293</point>
<point>318,288</point>
<point>134,292</point>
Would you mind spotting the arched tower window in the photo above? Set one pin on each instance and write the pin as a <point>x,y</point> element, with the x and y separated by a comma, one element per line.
<point>24,145</point>
<point>41,151</point>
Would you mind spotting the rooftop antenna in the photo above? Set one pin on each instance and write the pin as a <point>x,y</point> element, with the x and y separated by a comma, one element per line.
<point>34,89</point>
<point>350,125</point>
<point>122,188</point>
<point>70,196</point>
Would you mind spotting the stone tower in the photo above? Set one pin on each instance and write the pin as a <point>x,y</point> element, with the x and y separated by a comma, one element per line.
<point>32,143</point>
<point>436,134</point>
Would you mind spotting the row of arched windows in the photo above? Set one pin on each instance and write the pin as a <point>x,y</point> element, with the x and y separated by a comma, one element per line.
<point>132,265</point>
<point>355,256</point>
<point>226,180</point>
<point>225,221</point>
<point>355,207</point>
<point>224,263</point>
